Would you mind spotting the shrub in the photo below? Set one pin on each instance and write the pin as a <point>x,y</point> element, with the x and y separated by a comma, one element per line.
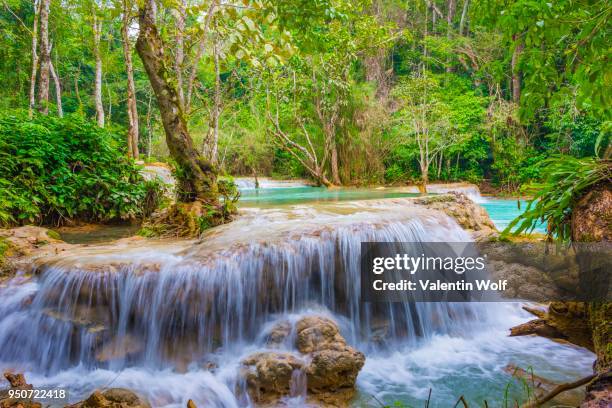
<point>58,169</point>
<point>565,180</point>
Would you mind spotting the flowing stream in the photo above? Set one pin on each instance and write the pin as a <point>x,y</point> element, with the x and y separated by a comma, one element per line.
<point>173,319</point>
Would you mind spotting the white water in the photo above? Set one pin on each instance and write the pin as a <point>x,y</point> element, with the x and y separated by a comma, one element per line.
<point>470,190</point>
<point>247,183</point>
<point>185,305</point>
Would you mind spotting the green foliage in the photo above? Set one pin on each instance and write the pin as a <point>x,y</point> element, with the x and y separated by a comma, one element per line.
<point>53,170</point>
<point>565,180</point>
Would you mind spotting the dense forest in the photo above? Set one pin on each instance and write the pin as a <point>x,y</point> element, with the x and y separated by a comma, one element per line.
<point>345,92</point>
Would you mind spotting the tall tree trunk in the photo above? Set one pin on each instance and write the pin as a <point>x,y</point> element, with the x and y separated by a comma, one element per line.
<point>45,58</point>
<point>58,90</point>
<point>214,147</point>
<point>516,74</point>
<point>32,104</point>
<point>198,178</point>
<point>180,49</point>
<point>334,159</point>
<point>132,110</point>
<point>149,127</point>
<point>464,14</point>
<point>450,13</point>
<point>97,30</point>
<point>76,87</point>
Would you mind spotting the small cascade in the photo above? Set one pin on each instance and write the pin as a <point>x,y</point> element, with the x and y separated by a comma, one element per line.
<point>249,183</point>
<point>103,310</point>
<point>470,190</point>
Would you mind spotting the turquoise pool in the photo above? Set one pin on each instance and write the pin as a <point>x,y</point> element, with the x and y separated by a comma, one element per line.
<point>501,210</point>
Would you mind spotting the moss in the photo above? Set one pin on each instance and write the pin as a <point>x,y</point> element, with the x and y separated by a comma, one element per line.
<point>6,249</point>
<point>601,325</point>
<point>148,232</point>
<point>54,234</point>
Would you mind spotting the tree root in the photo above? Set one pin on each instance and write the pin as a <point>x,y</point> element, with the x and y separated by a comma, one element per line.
<point>558,390</point>
<point>187,220</point>
<point>566,321</point>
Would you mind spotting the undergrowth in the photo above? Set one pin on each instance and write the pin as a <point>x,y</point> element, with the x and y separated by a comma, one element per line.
<point>54,170</point>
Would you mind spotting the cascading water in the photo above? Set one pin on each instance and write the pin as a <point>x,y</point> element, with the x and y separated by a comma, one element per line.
<point>174,309</point>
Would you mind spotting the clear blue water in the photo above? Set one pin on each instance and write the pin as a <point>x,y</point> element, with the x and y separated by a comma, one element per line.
<point>298,195</point>
<point>501,211</point>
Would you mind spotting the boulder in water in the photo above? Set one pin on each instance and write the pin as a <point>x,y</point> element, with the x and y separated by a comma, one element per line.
<point>315,333</point>
<point>17,381</point>
<point>268,375</point>
<point>469,215</point>
<point>329,364</point>
<point>113,398</point>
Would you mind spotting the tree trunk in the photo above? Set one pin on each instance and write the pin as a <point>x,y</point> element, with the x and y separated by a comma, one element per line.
<point>180,50</point>
<point>214,147</point>
<point>149,127</point>
<point>45,58</point>
<point>32,104</point>
<point>132,110</point>
<point>424,175</point>
<point>97,29</point>
<point>450,14</point>
<point>516,74</point>
<point>591,223</point>
<point>58,90</point>
<point>197,176</point>
<point>464,13</point>
<point>334,160</point>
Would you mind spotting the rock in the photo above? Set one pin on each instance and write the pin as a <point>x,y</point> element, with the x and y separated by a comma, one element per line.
<point>119,348</point>
<point>113,398</point>
<point>333,369</point>
<point>279,334</point>
<point>469,215</point>
<point>268,375</point>
<point>17,380</point>
<point>318,333</point>
<point>330,365</point>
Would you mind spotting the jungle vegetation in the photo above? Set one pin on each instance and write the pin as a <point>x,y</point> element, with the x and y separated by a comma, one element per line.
<point>345,92</point>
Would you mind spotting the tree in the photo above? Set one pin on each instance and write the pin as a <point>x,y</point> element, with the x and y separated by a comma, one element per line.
<point>45,58</point>
<point>32,101</point>
<point>132,109</point>
<point>97,31</point>
<point>197,177</point>
<point>426,118</point>
<point>313,160</point>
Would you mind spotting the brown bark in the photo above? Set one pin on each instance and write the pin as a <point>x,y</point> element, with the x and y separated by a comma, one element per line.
<point>32,104</point>
<point>45,58</point>
<point>516,74</point>
<point>132,110</point>
<point>97,30</point>
<point>197,176</point>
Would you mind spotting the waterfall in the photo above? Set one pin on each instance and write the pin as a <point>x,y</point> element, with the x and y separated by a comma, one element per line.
<point>206,298</point>
<point>248,183</point>
<point>149,311</point>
